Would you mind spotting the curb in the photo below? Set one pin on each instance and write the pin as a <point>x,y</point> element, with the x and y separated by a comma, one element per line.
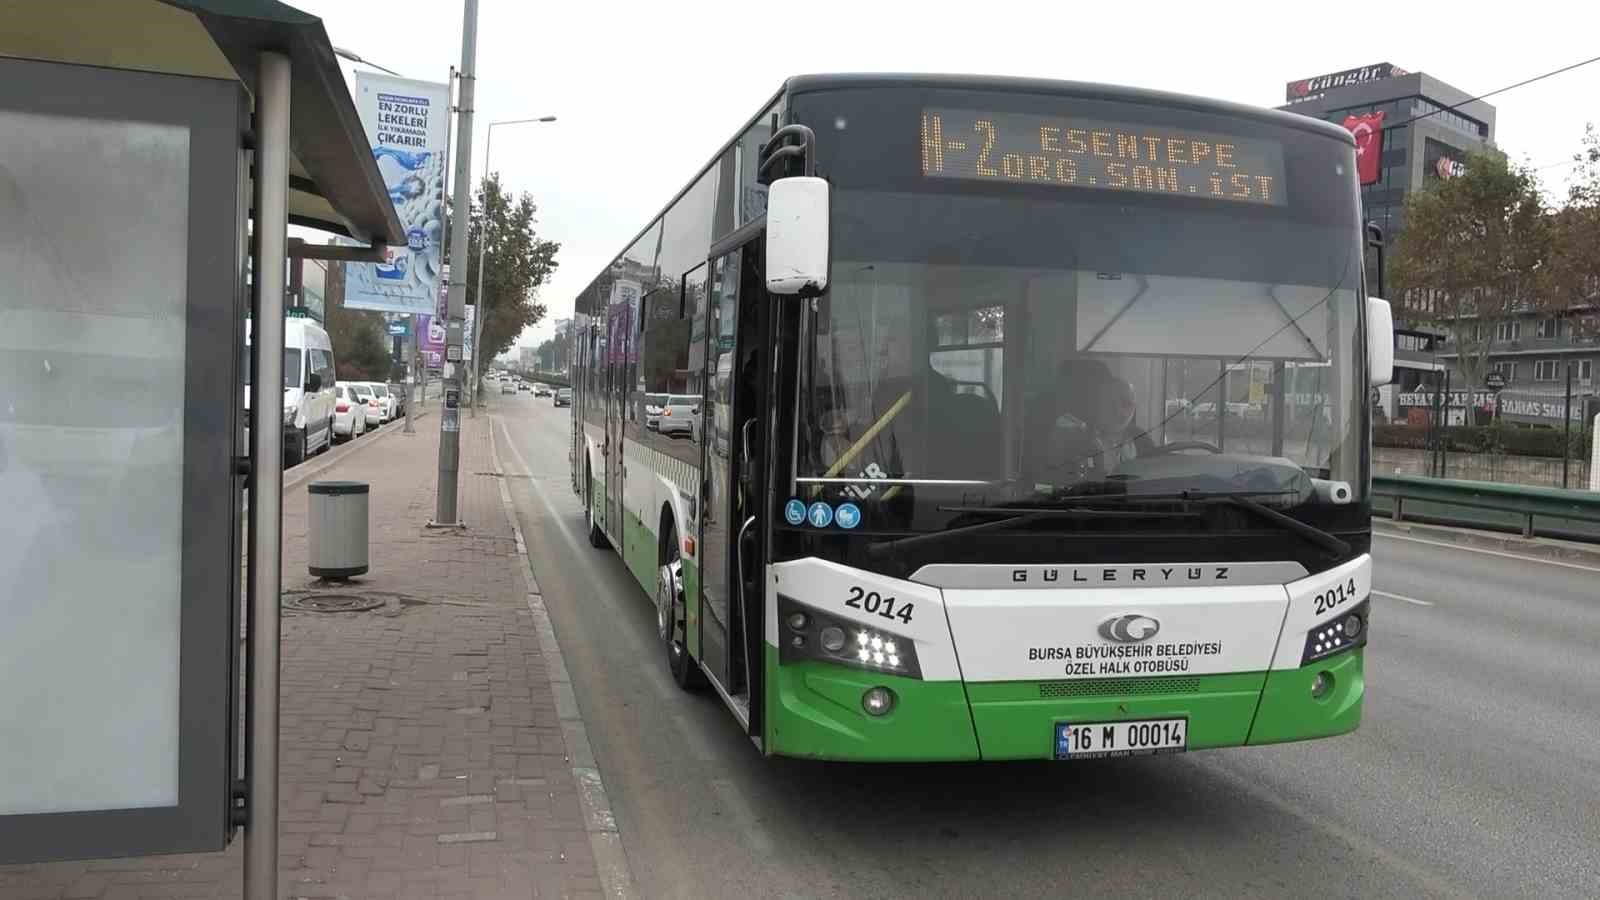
<point>1470,539</point>
<point>605,841</point>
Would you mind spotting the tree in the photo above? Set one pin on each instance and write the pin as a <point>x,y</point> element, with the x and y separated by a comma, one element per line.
<point>1573,280</point>
<point>1473,254</point>
<point>516,264</point>
<point>364,356</point>
<point>359,338</point>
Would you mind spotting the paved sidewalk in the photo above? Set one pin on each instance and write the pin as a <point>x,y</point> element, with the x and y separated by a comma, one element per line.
<point>422,752</point>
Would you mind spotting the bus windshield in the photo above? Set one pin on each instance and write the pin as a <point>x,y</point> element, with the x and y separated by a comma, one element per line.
<point>1003,325</point>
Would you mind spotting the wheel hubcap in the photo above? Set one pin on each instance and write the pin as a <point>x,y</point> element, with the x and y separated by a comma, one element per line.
<point>664,604</point>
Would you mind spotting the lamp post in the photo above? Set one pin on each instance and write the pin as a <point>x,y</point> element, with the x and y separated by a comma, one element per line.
<point>483,244</point>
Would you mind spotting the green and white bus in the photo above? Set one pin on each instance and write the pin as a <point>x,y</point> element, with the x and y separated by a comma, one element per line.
<point>1026,419</point>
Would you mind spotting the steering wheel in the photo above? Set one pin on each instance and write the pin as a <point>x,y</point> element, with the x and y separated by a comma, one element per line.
<point>1180,446</point>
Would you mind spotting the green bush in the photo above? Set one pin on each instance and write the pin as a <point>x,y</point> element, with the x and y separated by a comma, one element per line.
<point>1508,439</point>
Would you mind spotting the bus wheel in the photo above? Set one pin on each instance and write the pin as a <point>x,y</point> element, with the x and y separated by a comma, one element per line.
<point>671,622</point>
<point>597,537</point>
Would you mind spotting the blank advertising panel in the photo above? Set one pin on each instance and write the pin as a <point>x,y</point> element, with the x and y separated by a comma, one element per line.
<point>119,310</point>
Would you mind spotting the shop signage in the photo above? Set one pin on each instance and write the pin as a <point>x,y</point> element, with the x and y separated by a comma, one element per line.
<point>1312,88</point>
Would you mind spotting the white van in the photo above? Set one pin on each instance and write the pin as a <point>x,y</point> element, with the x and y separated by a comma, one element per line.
<point>308,389</point>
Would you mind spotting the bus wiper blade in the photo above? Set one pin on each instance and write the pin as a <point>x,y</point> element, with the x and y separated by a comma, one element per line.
<point>1014,515</point>
<point>1311,533</point>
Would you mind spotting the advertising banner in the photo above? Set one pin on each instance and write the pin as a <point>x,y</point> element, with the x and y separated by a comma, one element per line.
<point>430,328</point>
<point>1368,132</point>
<point>467,333</point>
<point>1441,160</point>
<point>406,124</point>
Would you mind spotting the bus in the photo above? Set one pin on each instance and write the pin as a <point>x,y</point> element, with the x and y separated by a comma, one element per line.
<point>1029,420</point>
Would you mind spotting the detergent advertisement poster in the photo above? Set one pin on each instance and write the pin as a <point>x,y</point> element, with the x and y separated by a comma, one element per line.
<point>406,122</point>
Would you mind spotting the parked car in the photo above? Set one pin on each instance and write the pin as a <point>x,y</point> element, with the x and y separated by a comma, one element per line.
<point>349,413</point>
<point>386,401</point>
<point>369,399</point>
<point>563,397</point>
<point>653,405</point>
<point>677,414</point>
<point>308,389</point>
<point>400,394</point>
<point>506,388</point>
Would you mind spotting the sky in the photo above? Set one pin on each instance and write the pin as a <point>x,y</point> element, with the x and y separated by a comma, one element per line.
<point>645,93</point>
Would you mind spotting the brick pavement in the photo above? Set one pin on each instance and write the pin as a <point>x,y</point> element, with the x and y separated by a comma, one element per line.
<point>422,754</point>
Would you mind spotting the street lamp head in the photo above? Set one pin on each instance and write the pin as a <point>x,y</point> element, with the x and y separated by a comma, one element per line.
<point>547,118</point>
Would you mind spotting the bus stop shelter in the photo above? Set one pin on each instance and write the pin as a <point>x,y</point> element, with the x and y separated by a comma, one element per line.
<point>152,152</point>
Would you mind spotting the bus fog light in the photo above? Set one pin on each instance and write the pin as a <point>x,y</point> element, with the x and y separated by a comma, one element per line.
<point>1352,626</point>
<point>798,641</point>
<point>1322,685</point>
<point>877,701</point>
<point>833,639</point>
<point>798,621</point>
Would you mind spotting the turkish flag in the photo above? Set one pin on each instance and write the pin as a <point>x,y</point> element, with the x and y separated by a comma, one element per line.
<point>1368,131</point>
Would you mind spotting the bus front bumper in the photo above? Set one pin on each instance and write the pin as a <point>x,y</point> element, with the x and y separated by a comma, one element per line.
<point>817,711</point>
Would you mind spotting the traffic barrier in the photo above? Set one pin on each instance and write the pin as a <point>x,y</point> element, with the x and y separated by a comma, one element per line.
<point>1572,515</point>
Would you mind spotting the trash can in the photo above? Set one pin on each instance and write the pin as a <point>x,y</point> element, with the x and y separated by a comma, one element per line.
<point>336,532</point>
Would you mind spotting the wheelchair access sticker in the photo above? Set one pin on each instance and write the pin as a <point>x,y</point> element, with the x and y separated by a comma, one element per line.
<point>794,512</point>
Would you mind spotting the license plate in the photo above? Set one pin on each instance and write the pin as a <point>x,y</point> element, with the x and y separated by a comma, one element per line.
<point>1097,740</point>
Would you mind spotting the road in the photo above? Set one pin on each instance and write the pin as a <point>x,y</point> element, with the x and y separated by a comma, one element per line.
<point>1475,772</point>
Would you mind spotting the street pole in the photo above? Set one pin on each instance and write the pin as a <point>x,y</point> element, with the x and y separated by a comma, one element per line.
<point>411,369</point>
<point>483,243</point>
<point>266,491</point>
<point>461,211</point>
<point>1566,434</point>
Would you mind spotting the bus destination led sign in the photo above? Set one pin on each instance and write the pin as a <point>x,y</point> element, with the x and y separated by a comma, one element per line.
<point>1111,156</point>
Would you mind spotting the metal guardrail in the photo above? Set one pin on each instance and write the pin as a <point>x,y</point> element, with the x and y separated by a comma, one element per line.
<point>1531,511</point>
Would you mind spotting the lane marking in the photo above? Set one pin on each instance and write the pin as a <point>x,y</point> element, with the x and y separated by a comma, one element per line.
<point>1469,549</point>
<point>1402,597</point>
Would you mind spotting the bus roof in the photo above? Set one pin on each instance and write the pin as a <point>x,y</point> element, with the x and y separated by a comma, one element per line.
<point>805,84</point>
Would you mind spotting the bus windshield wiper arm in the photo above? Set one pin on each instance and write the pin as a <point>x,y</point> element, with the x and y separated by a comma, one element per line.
<point>1014,515</point>
<point>1311,533</point>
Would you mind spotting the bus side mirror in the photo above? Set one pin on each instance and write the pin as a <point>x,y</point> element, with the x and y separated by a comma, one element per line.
<point>797,236</point>
<point>1380,342</point>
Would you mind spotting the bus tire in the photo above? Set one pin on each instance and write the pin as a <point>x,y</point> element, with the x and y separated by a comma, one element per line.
<point>671,618</point>
<point>597,537</point>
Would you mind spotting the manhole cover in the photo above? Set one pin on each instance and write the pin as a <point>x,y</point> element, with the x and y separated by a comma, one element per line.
<point>329,603</point>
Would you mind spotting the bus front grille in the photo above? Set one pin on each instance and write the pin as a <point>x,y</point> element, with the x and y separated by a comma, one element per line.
<point>1113,687</point>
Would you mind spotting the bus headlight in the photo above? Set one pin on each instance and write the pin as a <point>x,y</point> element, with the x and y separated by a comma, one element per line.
<point>809,633</point>
<point>1338,634</point>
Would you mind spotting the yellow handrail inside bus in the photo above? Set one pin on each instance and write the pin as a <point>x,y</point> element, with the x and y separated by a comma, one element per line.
<point>849,456</point>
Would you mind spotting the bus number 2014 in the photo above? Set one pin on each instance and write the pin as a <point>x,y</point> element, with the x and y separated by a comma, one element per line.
<point>874,602</point>
<point>1338,596</point>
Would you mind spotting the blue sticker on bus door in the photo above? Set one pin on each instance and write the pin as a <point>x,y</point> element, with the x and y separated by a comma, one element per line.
<point>794,512</point>
<point>848,515</point>
<point>820,514</point>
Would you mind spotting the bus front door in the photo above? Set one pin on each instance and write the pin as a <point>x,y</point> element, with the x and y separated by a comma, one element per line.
<point>733,458</point>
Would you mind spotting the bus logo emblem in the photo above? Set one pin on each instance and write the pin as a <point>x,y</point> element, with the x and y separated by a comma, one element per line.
<point>1130,628</point>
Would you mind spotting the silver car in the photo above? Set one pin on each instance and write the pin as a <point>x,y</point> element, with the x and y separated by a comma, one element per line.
<point>678,414</point>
